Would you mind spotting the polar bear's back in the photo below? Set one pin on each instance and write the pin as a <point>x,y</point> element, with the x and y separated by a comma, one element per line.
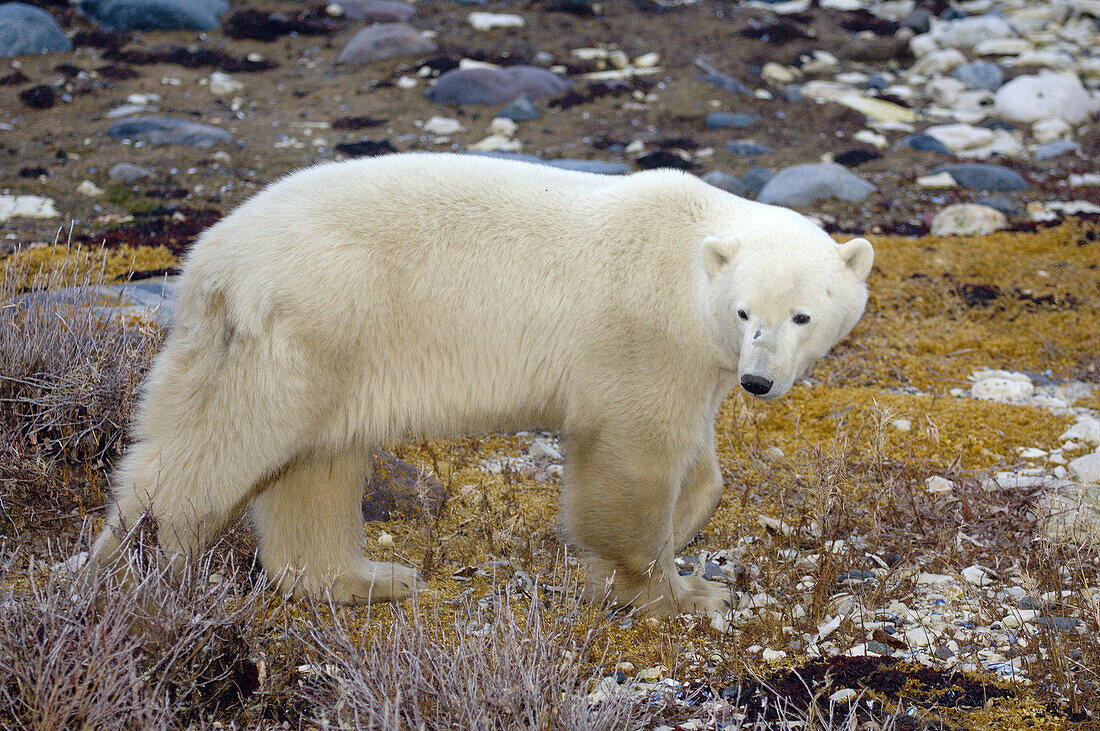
<point>474,287</point>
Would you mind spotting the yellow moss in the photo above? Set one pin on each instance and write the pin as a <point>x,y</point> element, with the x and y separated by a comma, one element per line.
<point>47,266</point>
<point>1011,714</point>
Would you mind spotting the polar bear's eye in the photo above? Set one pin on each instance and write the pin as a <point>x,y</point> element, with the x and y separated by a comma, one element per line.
<point>742,314</point>
<point>801,319</point>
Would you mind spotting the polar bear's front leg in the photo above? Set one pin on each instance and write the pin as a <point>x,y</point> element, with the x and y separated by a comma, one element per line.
<point>619,504</point>
<point>698,497</point>
<point>310,523</point>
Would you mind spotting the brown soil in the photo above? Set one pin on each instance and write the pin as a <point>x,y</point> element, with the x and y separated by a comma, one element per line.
<point>56,105</point>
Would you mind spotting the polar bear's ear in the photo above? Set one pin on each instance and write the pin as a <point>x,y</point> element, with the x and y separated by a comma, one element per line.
<point>717,253</point>
<point>858,255</point>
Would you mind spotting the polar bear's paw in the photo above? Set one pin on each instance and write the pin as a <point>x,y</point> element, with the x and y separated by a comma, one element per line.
<point>364,582</point>
<point>696,595</point>
<point>373,581</point>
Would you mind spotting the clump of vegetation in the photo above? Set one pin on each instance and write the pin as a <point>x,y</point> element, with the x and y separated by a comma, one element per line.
<point>175,648</point>
<point>69,375</point>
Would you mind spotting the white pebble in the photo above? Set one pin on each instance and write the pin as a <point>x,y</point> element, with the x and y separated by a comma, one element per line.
<point>488,21</point>
<point>843,695</point>
<point>89,189</point>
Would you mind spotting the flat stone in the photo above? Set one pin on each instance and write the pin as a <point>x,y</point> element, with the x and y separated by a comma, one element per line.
<point>375,11</point>
<point>398,489</point>
<point>725,181</point>
<point>923,143</point>
<point>980,176</point>
<point>144,300</point>
<point>494,86</point>
<point>1030,98</point>
<point>28,29</point>
<point>488,21</point>
<point>961,137</point>
<point>1086,429</point>
<point>601,167</point>
<point>537,83</point>
<point>128,15</point>
<point>969,32</point>
<point>127,172</point>
<point>1057,148</point>
<point>168,131</point>
<point>385,40</point>
<point>26,206</point>
<point>1060,624</point>
<point>747,148</point>
<point>968,219</point>
<point>730,120</point>
<point>979,75</point>
<point>756,178</point>
<point>801,185</point>
<point>1003,387</point>
<point>521,109</point>
<point>1086,469</point>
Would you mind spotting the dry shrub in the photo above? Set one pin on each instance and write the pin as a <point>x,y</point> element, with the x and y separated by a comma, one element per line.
<point>78,651</point>
<point>69,377</point>
<point>492,665</point>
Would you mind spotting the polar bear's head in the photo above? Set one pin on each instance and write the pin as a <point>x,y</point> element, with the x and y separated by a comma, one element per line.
<point>779,297</point>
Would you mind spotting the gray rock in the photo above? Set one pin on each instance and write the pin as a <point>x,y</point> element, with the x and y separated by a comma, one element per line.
<point>980,75</point>
<point>982,176</point>
<point>919,20</point>
<point>494,86</point>
<point>1054,149</point>
<point>944,652</point>
<point>396,488</point>
<point>855,576</point>
<point>377,11</point>
<point>168,131</point>
<point>473,86</point>
<point>127,15</point>
<point>27,29</point>
<point>522,109</point>
<point>1004,205</point>
<point>536,82</point>
<point>877,647</point>
<point>878,82</point>
<point>746,148</point>
<point>712,570</point>
<point>922,143</point>
<point>725,82</point>
<point>801,185</point>
<point>602,167</point>
<point>756,178</point>
<point>385,40</point>
<point>1059,624</point>
<point>726,182</point>
<point>153,298</point>
<point>729,120</point>
<point>127,172</point>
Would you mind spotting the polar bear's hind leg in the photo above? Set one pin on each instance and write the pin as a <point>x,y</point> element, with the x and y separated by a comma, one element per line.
<point>310,523</point>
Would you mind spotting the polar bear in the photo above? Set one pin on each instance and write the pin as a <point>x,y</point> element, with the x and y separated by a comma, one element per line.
<point>425,295</point>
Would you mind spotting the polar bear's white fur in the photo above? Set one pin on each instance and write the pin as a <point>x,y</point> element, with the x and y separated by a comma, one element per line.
<point>417,295</point>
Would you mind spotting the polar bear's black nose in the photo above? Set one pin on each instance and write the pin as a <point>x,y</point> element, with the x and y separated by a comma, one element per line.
<point>756,385</point>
